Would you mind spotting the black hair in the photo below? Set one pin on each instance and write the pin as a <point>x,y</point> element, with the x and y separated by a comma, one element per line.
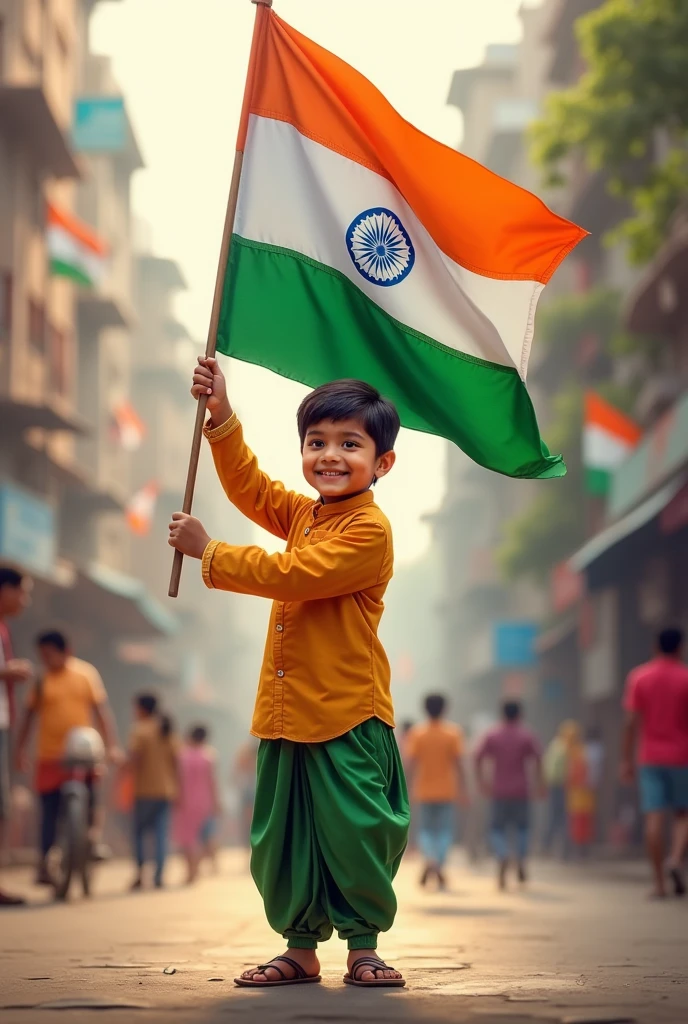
<point>670,640</point>
<point>351,399</point>
<point>10,577</point>
<point>435,705</point>
<point>512,710</point>
<point>148,702</point>
<point>53,638</point>
<point>198,734</point>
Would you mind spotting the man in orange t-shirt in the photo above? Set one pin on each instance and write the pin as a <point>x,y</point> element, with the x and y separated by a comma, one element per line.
<point>434,751</point>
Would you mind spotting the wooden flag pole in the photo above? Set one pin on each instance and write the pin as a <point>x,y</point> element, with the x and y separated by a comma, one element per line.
<point>211,344</point>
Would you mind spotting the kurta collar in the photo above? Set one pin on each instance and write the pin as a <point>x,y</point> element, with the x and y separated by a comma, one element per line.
<point>335,508</point>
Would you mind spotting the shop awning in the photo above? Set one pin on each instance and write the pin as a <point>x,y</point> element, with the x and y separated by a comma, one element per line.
<point>25,110</point>
<point>617,532</point>
<point>125,602</point>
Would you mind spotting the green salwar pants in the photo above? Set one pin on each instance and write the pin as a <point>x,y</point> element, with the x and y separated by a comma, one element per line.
<point>330,825</point>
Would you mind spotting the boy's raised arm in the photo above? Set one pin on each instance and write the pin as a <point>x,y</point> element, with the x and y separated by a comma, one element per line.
<point>267,503</point>
<point>346,563</point>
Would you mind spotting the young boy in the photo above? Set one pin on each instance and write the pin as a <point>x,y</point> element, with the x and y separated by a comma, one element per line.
<point>331,813</point>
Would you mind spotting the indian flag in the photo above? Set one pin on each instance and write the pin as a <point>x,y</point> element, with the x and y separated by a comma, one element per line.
<point>140,509</point>
<point>74,249</point>
<point>363,248</point>
<point>608,438</point>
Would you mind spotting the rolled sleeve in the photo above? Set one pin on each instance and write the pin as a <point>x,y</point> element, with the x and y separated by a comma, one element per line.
<point>206,563</point>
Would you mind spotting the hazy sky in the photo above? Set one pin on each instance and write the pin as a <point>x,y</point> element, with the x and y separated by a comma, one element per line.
<point>181,65</point>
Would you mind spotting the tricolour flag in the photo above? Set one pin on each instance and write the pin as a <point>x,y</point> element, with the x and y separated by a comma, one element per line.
<point>129,426</point>
<point>608,438</point>
<point>74,249</point>
<point>141,509</point>
<point>363,248</point>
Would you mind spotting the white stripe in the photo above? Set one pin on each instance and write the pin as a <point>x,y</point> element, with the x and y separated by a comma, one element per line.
<point>602,449</point>
<point>298,194</point>
<point>65,247</point>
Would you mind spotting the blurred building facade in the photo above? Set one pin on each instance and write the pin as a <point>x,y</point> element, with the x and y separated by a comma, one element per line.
<point>95,413</point>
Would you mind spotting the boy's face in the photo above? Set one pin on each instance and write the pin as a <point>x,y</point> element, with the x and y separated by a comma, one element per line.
<point>339,459</point>
<point>52,657</point>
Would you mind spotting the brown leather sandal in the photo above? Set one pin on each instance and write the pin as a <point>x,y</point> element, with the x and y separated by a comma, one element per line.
<point>370,963</point>
<point>301,978</point>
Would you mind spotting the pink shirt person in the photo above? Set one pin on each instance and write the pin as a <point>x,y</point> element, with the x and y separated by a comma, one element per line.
<point>197,804</point>
<point>510,747</point>
<point>658,693</point>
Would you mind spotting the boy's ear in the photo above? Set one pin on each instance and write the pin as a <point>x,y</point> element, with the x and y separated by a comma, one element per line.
<point>385,463</point>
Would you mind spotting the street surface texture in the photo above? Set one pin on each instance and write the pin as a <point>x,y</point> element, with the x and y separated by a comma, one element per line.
<point>580,944</point>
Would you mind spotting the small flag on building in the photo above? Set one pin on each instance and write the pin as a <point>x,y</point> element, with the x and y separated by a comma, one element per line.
<point>141,509</point>
<point>129,426</point>
<point>608,438</point>
<point>363,248</point>
<point>74,249</point>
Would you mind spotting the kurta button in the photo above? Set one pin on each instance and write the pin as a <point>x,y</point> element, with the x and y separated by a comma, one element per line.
<point>279,627</point>
<point>306,531</point>
<point>280,673</point>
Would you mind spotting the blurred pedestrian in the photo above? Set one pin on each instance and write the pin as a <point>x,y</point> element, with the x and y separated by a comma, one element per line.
<point>69,694</point>
<point>580,795</point>
<point>656,704</point>
<point>555,765</point>
<point>513,753</point>
<point>15,594</point>
<point>198,808</point>
<point>434,756</point>
<point>154,754</point>
<point>244,778</point>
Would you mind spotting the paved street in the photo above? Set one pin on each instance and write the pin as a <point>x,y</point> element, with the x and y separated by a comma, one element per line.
<point>570,948</point>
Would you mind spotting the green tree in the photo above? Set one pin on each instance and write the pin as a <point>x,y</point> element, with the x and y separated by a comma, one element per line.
<point>628,113</point>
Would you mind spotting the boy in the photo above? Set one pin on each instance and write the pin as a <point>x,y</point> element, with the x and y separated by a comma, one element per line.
<point>331,811</point>
<point>15,594</point>
<point>435,753</point>
<point>70,695</point>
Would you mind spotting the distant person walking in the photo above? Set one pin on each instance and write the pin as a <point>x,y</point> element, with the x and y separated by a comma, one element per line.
<point>154,754</point>
<point>656,703</point>
<point>198,809</point>
<point>513,753</point>
<point>434,756</point>
<point>555,765</point>
<point>15,594</point>
<point>580,793</point>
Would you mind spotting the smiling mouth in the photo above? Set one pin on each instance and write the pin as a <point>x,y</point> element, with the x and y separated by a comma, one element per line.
<point>331,474</point>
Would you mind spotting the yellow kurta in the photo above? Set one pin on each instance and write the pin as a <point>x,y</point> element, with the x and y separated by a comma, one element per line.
<point>324,669</point>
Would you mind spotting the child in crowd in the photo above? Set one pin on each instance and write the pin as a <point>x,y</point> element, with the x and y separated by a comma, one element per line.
<point>154,754</point>
<point>331,813</point>
<point>198,807</point>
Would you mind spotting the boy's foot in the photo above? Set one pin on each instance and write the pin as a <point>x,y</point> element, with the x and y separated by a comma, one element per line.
<point>364,967</point>
<point>441,880</point>
<point>136,885</point>
<point>8,900</point>
<point>503,867</point>
<point>283,971</point>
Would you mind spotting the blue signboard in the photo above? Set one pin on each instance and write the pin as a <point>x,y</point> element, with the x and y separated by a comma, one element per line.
<point>27,530</point>
<point>514,644</point>
<point>100,124</point>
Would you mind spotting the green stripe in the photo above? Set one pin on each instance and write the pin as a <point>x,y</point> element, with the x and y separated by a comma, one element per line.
<point>310,323</point>
<point>70,270</point>
<point>597,481</point>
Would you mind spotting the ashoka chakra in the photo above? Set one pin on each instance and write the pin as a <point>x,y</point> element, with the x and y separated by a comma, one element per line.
<point>380,247</point>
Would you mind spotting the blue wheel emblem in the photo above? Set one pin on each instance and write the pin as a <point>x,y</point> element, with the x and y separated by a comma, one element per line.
<point>380,247</point>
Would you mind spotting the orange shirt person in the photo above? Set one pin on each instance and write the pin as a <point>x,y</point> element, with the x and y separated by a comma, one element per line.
<point>434,750</point>
<point>331,812</point>
<point>70,695</point>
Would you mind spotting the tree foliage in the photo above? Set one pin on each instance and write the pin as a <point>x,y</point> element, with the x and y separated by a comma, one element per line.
<point>628,113</point>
